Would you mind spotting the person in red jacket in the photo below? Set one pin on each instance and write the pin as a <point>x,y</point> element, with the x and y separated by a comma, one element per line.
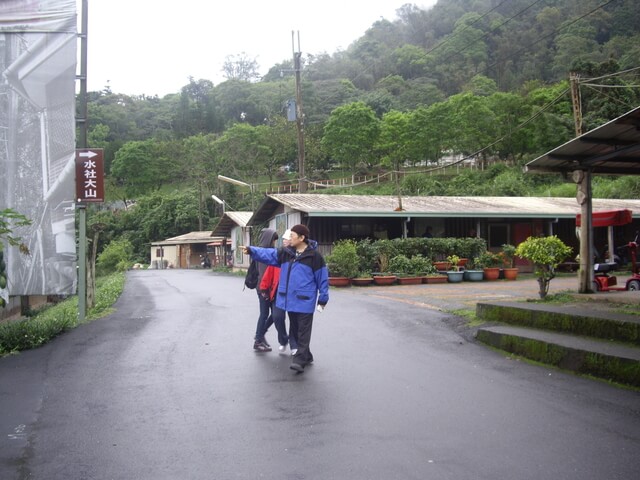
<point>268,288</point>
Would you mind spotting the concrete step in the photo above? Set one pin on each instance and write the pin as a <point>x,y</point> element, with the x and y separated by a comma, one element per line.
<point>603,359</point>
<point>580,319</point>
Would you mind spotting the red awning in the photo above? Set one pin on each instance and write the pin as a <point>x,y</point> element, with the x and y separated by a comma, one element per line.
<point>609,218</point>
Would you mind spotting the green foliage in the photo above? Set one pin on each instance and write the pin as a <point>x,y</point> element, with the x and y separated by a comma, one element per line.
<point>401,265</point>
<point>9,220</point>
<point>116,257</point>
<point>52,321</point>
<point>343,260</point>
<point>350,134</point>
<point>546,253</point>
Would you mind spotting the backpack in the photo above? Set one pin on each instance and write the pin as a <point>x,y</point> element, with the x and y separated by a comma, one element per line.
<point>251,279</point>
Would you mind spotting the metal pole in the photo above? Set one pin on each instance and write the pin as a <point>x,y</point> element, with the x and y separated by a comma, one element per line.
<point>302,183</point>
<point>82,209</point>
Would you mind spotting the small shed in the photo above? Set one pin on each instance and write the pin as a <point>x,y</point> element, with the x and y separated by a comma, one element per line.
<point>183,251</point>
<point>234,232</point>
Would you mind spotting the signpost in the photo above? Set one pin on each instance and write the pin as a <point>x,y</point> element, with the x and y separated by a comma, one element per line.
<point>89,189</point>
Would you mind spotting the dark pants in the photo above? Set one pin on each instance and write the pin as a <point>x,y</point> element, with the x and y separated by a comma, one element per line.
<point>279,321</point>
<point>301,324</point>
<point>265,320</point>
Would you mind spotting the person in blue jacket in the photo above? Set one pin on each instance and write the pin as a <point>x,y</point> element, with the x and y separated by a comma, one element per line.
<point>303,287</point>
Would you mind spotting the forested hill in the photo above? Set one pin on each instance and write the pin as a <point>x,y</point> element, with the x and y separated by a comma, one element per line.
<point>480,79</point>
<point>419,58</point>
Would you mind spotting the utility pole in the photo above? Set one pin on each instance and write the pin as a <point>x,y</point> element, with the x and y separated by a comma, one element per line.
<point>302,183</point>
<point>574,80</point>
<point>582,179</point>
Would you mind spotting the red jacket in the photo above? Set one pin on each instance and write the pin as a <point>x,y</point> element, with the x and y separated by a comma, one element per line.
<point>270,281</point>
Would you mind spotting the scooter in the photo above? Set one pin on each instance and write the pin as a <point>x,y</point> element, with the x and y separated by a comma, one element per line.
<point>206,261</point>
<point>603,282</point>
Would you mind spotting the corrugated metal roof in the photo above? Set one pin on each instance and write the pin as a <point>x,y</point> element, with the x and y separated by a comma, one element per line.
<point>191,237</point>
<point>322,205</point>
<point>612,148</point>
<point>230,220</point>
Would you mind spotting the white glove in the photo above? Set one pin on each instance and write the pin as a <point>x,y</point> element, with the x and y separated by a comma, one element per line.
<point>320,308</point>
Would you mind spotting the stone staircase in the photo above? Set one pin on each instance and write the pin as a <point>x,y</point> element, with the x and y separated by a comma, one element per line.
<point>578,337</point>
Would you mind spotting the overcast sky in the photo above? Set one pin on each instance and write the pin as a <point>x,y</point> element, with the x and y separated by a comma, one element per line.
<point>150,47</point>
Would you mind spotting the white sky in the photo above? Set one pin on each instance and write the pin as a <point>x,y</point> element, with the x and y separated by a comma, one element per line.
<point>151,47</point>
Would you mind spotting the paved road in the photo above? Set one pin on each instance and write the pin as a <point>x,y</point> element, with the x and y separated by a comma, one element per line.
<point>169,388</point>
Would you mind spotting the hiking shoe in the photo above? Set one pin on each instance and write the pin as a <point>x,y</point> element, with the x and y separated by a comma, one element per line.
<point>297,367</point>
<point>282,349</point>
<point>261,347</point>
<point>264,340</point>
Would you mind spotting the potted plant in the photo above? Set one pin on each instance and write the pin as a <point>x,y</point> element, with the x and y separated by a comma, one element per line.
<point>342,263</point>
<point>385,250</point>
<point>402,267</point>
<point>362,279</point>
<point>546,253</point>
<point>455,275</point>
<point>475,272</point>
<point>490,264</point>
<point>508,258</point>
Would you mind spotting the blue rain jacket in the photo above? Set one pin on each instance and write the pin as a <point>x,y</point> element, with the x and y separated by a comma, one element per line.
<point>304,279</point>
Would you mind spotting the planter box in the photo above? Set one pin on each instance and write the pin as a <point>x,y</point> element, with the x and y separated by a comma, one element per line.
<point>510,273</point>
<point>339,281</point>
<point>409,280</point>
<point>438,279</point>
<point>455,277</point>
<point>361,282</point>
<point>442,266</point>
<point>473,275</point>
<point>384,279</point>
<point>491,273</point>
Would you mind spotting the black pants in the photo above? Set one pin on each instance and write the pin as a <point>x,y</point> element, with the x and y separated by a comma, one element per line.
<point>302,323</point>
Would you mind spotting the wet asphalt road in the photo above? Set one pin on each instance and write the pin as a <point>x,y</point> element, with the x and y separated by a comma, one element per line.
<point>168,387</point>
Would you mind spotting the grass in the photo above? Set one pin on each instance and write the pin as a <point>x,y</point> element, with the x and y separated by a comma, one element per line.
<point>52,321</point>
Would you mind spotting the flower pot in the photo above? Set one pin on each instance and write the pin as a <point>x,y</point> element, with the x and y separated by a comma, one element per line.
<point>339,281</point>
<point>362,282</point>
<point>442,266</point>
<point>455,277</point>
<point>409,280</point>
<point>510,273</point>
<point>492,273</point>
<point>473,275</point>
<point>436,279</point>
<point>463,262</point>
<point>384,279</point>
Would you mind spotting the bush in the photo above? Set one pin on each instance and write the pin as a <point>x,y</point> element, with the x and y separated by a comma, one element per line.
<point>343,260</point>
<point>116,257</point>
<point>546,253</point>
<point>52,321</point>
<point>400,264</point>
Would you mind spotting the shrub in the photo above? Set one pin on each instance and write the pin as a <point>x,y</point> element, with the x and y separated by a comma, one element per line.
<point>343,260</point>
<point>400,264</point>
<point>116,257</point>
<point>546,253</point>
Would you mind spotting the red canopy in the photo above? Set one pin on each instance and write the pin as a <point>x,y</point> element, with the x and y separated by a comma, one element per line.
<point>609,218</point>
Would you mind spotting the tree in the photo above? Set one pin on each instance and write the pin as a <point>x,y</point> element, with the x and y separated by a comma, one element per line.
<point>350,134</point>
<point>546,253</point>
<point>141,167</point>
<point>240,67</point>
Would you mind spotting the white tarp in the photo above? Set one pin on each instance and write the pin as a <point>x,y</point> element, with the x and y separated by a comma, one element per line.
<point>38,16</point>
<point>38,43</point>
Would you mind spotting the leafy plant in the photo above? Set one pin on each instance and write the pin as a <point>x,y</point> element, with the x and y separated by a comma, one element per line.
<point>454,260</point>
<point>546,253</point>
<point>116,257</point>
<point>421,265</point>
<point>343,260</point>
<point>401,265</point>
<point>508,255</point>
<point>487,260</point>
